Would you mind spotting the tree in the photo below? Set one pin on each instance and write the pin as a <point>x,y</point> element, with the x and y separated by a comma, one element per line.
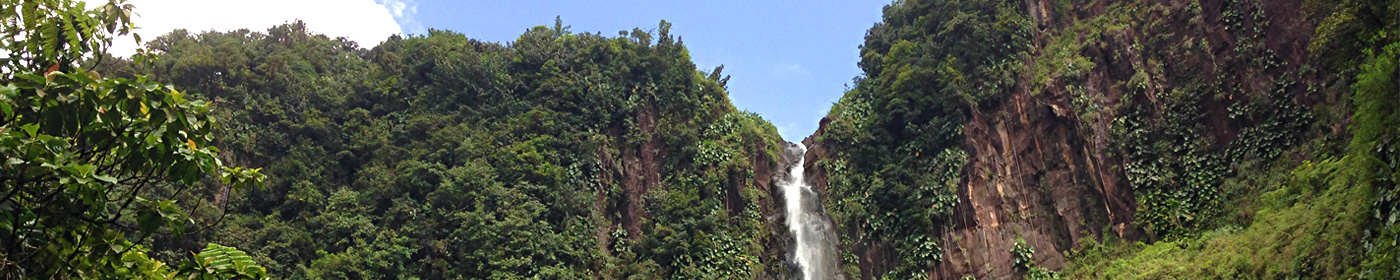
<point>82,153</point>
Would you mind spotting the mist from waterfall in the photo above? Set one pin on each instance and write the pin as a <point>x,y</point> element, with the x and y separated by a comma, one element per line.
<point>815,243</point>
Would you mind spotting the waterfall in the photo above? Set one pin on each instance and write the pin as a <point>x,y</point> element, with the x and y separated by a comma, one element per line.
<point>814,251</point>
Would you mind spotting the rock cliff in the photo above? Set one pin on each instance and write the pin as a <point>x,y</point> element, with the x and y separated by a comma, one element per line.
<point>1046,161</point>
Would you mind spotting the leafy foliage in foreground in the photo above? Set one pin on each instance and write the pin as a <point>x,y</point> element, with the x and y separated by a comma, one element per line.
<point>83,156</point>
<point>222,262</point>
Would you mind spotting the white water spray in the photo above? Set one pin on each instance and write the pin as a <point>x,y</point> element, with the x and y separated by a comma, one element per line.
<point>813,251</point>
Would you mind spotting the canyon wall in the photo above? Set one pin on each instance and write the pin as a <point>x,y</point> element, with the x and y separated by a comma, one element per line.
<point>1043,164</point>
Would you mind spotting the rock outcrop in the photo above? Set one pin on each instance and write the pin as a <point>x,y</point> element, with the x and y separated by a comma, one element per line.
<point>1041,166</point>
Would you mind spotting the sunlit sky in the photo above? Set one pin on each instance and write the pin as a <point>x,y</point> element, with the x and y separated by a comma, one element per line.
<point>790,60</point>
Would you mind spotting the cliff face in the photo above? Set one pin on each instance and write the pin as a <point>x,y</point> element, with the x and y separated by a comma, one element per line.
<point>1033,175</point>
<point>644,171</point>
<point>1050,163</point>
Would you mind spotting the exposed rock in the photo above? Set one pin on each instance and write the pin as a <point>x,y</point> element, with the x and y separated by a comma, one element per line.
<point>1042,169</point>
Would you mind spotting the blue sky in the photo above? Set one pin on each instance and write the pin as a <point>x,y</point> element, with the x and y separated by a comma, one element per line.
<point>790,60</point>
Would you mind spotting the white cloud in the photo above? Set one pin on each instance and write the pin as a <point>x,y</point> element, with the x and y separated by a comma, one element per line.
<point>404,12</point>
<point>363,21</point>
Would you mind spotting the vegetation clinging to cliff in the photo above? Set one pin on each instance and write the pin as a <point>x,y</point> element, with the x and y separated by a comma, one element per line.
<point>896,135</point>
<point>440,156</point>
<point>1201,106</point>
<point>1329,211</point>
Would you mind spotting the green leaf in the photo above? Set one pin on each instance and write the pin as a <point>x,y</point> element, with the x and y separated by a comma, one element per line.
<point>177,227</point>
<point>71,33</point>
<point>31,10</point>
<point>148,220</point>
<point>37,79</point>
<point>105,178</point>
<point>84,170</point>
<point>49,35</point>
<point>31,129</point>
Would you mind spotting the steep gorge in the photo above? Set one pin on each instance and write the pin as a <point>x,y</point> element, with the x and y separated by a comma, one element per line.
<point>987,139</point>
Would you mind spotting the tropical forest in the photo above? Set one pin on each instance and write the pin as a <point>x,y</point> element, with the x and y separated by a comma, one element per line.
<point>982,139</point>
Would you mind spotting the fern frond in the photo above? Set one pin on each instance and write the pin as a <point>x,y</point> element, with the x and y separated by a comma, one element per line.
<point>71,33</point>
<point>49,35</point>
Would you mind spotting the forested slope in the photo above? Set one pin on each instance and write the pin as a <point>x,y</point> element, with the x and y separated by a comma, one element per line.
<point>1141,139</point>
<point>558,155</point>
<point>987,139</point>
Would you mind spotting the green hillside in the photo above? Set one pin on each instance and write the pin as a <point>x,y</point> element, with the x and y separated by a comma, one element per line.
<point>986,139</point>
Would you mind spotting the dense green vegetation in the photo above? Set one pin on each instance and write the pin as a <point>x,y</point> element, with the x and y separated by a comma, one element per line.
<point>1177,166</point>
<point>1330,215</point>
<point>1334,218</point>
<point>431,156</point>
<point>897,159</point>
<point>564,155</point>
<point>92,164</point>
<point>439,156</point>
<point>1202,132</point>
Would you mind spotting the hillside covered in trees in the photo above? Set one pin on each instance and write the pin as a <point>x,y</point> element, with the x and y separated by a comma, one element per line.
<point>544,158</point>
<point>987,139</point>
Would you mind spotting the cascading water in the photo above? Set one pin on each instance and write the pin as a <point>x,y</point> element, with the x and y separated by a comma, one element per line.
<point>815,242</point>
